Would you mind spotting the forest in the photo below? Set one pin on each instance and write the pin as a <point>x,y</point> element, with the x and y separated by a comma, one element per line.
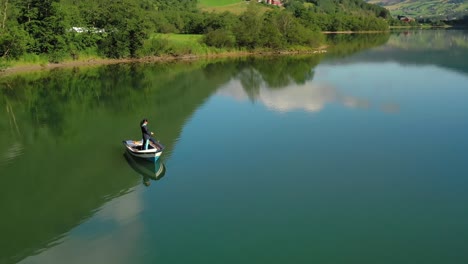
<point>58,30</point>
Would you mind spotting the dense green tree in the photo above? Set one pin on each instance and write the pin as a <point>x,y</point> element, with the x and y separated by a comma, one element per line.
<point>44,21</point>
<point>274,29</point>
<point>13,39</point>
<point>348,7</point>
<point>63,29</point>
<point>125,26</point>
<point>270,36</point>
<point>13,43</point>
<point>226,20</point>
<point>293,31</point>
<point>247,31</point>
<point>220,38</point>
<point>342,22</point>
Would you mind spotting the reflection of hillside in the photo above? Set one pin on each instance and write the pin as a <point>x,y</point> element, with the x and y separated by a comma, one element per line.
<point>62,131</point>
<point>65,127</point>
<point>443,48</point>
<point>342,45</point>
<point>276,73</point>
<point>70,125</point>
<point>428,40</point>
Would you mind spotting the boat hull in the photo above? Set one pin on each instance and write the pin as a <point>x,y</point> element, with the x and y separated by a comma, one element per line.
<point>152,154</point>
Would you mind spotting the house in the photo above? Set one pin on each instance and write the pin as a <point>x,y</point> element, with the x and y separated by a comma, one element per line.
<point>406,19</point>
<point>274,2</point>
<point>86,30</point>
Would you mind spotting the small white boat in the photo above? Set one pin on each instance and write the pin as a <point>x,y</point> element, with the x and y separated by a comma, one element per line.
<point>135,148</point>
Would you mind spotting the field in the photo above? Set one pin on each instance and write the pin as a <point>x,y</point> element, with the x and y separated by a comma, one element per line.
<point>182,44</point>
<point>233,6</point>
<point>426,8</point>
<point>180,39</point>
<point>216,3</point>
<point>178,45</point>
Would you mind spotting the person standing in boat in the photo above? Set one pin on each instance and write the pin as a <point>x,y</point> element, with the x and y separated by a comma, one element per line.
<point>146,134</point>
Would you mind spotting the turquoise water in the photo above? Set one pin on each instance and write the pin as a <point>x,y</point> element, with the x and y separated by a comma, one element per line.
<point>355,156</point>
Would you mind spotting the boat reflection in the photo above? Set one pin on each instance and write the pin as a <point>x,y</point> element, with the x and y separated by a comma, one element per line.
<point>147,170</point>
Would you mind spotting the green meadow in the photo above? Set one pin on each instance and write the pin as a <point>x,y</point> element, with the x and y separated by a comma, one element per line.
<point>176,45</point>
<point>216,3</point>
<point>233,6</point>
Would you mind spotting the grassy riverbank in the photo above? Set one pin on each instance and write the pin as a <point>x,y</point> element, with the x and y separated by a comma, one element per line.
<point>72,32</point>
<point>29,67</point>
<point>168,47</point>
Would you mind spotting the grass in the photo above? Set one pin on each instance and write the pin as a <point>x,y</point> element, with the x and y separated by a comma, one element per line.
<point>218,3</point>
<point>34,59</point>
<point>181,44</point>
<point>186,44</point>
<point>181,39</point>
<point>237,8</point>
<point>233,6</point>
<point>462,7</point>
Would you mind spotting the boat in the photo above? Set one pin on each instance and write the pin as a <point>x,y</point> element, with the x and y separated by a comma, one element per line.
<point>135,148</point>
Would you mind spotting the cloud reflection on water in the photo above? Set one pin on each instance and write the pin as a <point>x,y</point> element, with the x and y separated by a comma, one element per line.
<point>310,97</point>
<point>113,235</point>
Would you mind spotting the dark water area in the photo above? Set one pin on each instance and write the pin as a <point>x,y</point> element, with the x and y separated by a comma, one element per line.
<point>358,155</point>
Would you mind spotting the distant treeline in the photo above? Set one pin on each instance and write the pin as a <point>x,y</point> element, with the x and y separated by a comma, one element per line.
<point>126,28</point>
<point>433,21</point>
<point>462,22</point>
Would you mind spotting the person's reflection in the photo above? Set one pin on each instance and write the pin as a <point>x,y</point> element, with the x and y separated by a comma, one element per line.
<point>146,181</point>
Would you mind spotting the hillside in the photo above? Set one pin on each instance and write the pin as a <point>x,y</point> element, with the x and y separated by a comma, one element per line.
<point>350,7</point>
<point>444,9</point>
<point>36,32</point>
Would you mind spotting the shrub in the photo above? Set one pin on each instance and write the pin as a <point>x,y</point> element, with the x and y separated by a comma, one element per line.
<point>57,56</point>
<point>154,47</point>
<point>220,38</point>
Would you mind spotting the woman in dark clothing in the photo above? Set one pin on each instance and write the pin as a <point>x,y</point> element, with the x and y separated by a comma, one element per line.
<point>147,135</point>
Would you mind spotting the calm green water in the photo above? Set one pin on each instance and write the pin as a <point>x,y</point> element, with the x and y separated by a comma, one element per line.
<point>356,156</point>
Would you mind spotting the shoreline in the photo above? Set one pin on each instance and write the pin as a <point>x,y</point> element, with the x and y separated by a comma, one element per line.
<point>356,32</point>
<point>421,27</point>
<point>167,58</point>
<point>25,68</point>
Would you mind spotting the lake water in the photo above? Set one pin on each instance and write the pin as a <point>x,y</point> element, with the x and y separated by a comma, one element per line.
<point>357,156</point>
